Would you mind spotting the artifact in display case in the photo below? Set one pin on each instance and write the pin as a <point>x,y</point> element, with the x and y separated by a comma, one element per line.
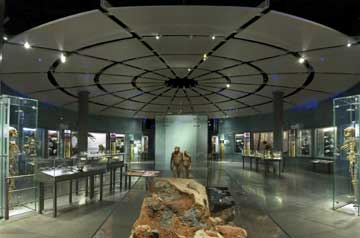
<point>292,143</point>
<point>18,150</point>
<point>242,143</point>
<point>74,143</point>
<point>346,162</point>
<point>145,144</point>
<point>285,148</point>
<point>304,143</point>
<point>117,143</point>
<point>67,144</point>
<point>53,143</point>
<point>325,142</point>
<point>214,144</point>
<point>261,139</point>
<point>95,142</point>
<point>176,162</point>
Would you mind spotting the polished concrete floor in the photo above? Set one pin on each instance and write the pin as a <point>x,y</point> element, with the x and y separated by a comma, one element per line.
<point>297,204</point>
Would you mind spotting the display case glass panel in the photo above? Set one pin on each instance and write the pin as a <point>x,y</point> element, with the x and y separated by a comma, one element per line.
<point>285,147</point>
<point>214,144</point>
<point>346,162</point>
<point>67,144</point>
<point>74,143</point>
<point>145,144</point>
<point>304,143</point>
<point>261,139</point>
<point>96,143</point>
<point>117,143</point>
<point>18,153</point>
<point>242,143</point>
<point>292,143</point>
<point>325,142</point>
<point>53,143</point>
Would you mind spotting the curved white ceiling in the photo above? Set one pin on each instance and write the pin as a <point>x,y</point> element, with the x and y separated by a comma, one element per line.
<point>114,54</point>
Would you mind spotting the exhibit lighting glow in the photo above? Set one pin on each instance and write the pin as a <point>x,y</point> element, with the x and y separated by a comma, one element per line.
<point>1,57</point>
<point>5,38</point>
<point>301,60</point>
<point>157,37</point>
<point>27,45</point>
<point>328,129</point>
<point>213,37</point>
<point>228,85</point>
<point>348,45</point>
<point>188,69</point>
<point>28,129</point>
<point>63,58</point>
<point>205,57</point>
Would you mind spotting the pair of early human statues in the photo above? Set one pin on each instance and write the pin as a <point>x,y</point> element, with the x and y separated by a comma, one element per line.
<point>180,163</point>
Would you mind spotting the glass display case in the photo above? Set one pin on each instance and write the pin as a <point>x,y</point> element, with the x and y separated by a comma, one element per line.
<point>292,143</point>
<point>145,144</point>
<point>214,144</point>
<point>67,144</point>
<point>285,147</point>
<point>96,143</point>
<point>18,152</point>
<point>304,143</point>
<point>346,163</point>
<point>325,142</point>
<point>242,143</point>
<point>262,140</point>
<point>53,143</point>
<point>117,143</point>
<point>74,143</point>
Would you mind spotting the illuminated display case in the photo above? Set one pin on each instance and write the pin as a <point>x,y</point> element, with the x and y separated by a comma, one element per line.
<point>346,163</point>
<point>261,139</point>
<point>325,142</point>
<point>18,152</point>
<point>292,143</point>
<point>242,143</point>
<point>67,144</point>
<point>285,142</point>
<point>96,143</point>
<point>117,143</point>
<point>214,144</point>
<point>53,143</point>
<point>304,143</point>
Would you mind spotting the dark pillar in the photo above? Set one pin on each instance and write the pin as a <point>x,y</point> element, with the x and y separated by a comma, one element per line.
<point>278,120</point>
<point>83,111</point>
<point>2,16</point>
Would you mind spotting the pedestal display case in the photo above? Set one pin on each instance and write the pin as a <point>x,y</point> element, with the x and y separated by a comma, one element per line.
<point>304,143</point>
<point>325,142</point>
<point>18,152</point>
<point>242,143</point>
<point>346,164</point>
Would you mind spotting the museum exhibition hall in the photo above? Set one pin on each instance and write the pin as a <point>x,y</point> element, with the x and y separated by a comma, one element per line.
<point>179,119</point>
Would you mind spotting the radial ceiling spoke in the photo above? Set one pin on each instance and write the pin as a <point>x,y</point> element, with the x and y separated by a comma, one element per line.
<point>153,99</point>
<point>188,99</point>
<point>172,100</point>
<point>210,101</point>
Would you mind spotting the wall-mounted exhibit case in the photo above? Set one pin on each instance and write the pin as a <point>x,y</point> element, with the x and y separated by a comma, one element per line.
<point>325,142</point>
<point>117,143</point>
<point>292,143</point>
<point>261,139</point>
<point>53,143</point>
<point>346,167</point>
<point>214,144</point>
<point>285,147</point>
<point>243,143</point>
<point>304,143</point>
<point>96,143</point>
<point>18,143</point>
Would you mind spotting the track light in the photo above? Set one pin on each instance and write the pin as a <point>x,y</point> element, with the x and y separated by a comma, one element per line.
<point>188,69</point>
<point>63,58</point>
<point>27,45</point>
<point>157,37</point>
<point>228,85</point>
<point>301,60</point>
<point>213,37</point>
<point>5,38</point>
<point>348,45</point>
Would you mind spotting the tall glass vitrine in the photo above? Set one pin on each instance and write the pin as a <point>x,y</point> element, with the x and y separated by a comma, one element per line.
<point>346,164</point>
<point>18,153</point>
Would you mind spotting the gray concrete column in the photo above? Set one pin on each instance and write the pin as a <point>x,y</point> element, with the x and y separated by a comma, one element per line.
<point>83,110</point>
<point>278,120</point>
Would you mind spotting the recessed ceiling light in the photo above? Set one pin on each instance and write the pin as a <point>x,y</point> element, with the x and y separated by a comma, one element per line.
<point>348,45</point>
<point>27,45</point>
<point>188,69</point>
<point>63,58</point>
<point>213,37</point>
<point>205,57</point>
<point>228,85</point>
<point>157,37</point>
<point>5,38</point>
<point>301,60</point>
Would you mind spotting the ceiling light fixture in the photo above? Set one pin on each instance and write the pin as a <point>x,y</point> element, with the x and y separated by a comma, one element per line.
<point>205,57</point>
<point>188,69</point>
<point>63,58</point>
<point>228,85</point>
<point>27,45</point>
<point>348,45</point>
<point>301,60</point>
<point>157,37</point>
<point>5,38</point>
<point>213,37</point>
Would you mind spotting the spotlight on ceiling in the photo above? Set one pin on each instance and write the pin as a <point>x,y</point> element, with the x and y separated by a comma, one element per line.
<point>213,37</point>
<point>301,60</point>
<point>189,69</point>
<point>5,38</point>
<point>205,57</point>
<point>348,45</point>
<point>27,45</point>
<point>157,37</point>
<point>63,58</point>
<point>228,85</point>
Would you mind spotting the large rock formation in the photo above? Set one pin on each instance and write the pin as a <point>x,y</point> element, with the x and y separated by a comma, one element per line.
<point>179,208</point>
